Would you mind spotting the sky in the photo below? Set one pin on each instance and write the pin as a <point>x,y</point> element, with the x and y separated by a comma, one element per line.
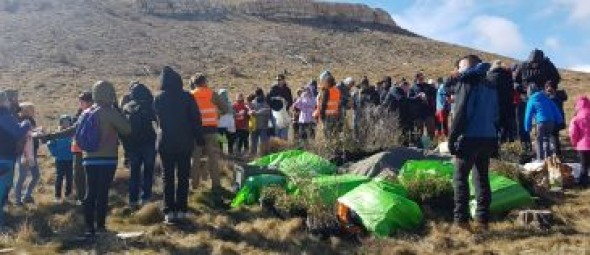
<point>561,28</point>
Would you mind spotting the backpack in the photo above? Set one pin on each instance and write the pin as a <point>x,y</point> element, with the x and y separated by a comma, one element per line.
<point>88,133</point>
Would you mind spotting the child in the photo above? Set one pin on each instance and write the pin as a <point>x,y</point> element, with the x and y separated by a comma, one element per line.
<point>241,119</point>
<point>547,117</point>
<point>580,137</point>
<point>28,159</point>
<point>306,105</point>
<point>64,160</point>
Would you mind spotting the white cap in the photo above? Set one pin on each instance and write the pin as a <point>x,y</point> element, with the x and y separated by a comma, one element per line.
<point>348,81</point>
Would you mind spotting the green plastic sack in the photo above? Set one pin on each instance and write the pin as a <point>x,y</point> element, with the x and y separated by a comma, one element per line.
<point>382,209</point>
<point>507,195</point>
<point>422,169</point>
<point>297,163</point>
<point>330,188</point>
<point>250,193</point>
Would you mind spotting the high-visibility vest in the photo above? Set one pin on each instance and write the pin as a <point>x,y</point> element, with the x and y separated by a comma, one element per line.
<point>204,98</point>
<point>333,107</point>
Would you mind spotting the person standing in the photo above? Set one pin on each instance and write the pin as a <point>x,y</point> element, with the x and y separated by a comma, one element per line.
<point>179,122</point>
<point>260,114</point>
<point>60,149</point>
<point>443,108</point>
<point>425,97</point>
<point>547,117</point>
<point>241,122</point>
<point>329,108</point>
<point>559,97</point>
<point>85,102</point>
<point>28,163</point>
<point>579,131</point>
<point>502,79</point>
<point>12,133</point>
<point>211,106</point>
<point>227,125</point>
<point>473,139</point>
<point>306,105</point>
<point>280,98</point>
<point>101,163</point>
<point>141,144</point>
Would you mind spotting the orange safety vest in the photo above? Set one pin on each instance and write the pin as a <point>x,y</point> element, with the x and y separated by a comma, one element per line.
<point>333,107</point>
<point>204,98</point>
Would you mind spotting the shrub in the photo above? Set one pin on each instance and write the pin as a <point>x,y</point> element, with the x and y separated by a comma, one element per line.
<point>434,192</point>
<point>513,172</point>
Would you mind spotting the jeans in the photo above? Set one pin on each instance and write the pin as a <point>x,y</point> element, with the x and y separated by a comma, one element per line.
<point>282,133</point>
<point>79,176</point>
<point>96,203</point>
<point>142,161</point>
<point>23,171</point>
<point>473,153</point>
<point>583,179</point>
<point>176,167</point>
<point>64,171</point>
<point>6,177</point>
<point>242,137</point>
<point>545,140</point>
<point>212,152</point>
<point>258,137</point>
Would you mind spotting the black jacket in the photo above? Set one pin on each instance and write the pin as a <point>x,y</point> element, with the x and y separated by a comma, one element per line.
<point>502,80</point>
<point>139,110</point>
<point>178,116</point>
<point>398,101</point>
<point>281,91</point>
<point>538,69</point>
<point>423,108</point>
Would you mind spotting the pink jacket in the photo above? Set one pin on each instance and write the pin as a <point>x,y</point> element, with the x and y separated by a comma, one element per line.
<point>580,125</point>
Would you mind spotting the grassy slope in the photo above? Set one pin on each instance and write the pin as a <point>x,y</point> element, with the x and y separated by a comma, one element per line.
<point>52,49</point>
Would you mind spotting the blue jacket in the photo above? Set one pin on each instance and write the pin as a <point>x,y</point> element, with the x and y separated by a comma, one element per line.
<point>11,132</point>
<point>476,113</point>
<point>542,109</point>
<point>61,149</point>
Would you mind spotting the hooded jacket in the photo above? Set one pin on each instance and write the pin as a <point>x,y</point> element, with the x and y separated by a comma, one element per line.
<point>139,110</point>
<point>476,106</point>
<point>537,69</point>
<point>542,109</point>
<point>178,116</point>
<point>580,126</point>
<point>11,134</point>
<point>111,122</point>
<point>306,105</point>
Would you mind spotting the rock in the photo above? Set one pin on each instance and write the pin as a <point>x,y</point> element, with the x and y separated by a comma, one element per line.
<point>542,219</point>
<point>276,9</point>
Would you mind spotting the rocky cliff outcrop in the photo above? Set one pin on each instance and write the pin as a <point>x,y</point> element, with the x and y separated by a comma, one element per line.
<point>274,9</point>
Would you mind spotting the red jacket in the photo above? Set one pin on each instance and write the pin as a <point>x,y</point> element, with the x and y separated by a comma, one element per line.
<point>241,115</point>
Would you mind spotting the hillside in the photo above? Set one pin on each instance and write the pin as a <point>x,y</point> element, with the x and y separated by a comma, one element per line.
<point>52,49</point>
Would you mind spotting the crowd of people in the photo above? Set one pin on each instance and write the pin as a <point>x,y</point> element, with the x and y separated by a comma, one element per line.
<point>478,107</point>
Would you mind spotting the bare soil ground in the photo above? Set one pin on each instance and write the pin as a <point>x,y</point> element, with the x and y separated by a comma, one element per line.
<point>51,50</point>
